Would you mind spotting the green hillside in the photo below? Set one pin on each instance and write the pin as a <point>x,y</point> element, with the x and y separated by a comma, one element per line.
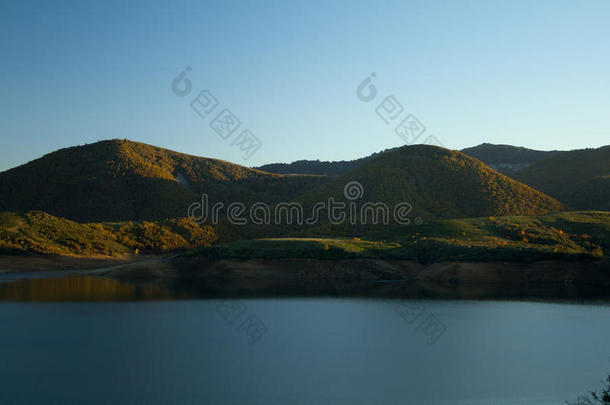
<point>589,194</point>
<point>438,183</point>
<point>578,178</point>
<point>120,180</point>
<point>36,232</point>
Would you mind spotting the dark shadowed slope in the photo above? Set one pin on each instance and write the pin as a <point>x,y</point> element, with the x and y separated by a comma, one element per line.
<point>317,167</point>
<point>506,159</point>
<point>579,178</point>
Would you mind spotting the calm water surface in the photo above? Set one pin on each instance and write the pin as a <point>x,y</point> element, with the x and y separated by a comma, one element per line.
<point>78,340</point>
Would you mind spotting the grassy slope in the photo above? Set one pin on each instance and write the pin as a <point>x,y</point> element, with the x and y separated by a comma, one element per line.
<point>36,232</point>
<point>560,236</point>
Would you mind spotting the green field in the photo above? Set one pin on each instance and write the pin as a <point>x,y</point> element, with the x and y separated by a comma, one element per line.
<point>562,236</point>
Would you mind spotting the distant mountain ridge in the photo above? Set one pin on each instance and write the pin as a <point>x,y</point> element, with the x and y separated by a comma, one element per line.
<point>317,167</point>
<point>506,159</point>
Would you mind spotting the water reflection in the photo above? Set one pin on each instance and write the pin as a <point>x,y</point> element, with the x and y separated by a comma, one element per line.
<point>82,288</point>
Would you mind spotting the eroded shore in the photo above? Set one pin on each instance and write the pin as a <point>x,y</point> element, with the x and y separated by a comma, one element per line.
<point>157,277</point>
<point>543,272</point>
<point>184,267</point>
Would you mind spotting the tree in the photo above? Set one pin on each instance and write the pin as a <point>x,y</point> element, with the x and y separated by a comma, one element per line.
<point>595,398</point>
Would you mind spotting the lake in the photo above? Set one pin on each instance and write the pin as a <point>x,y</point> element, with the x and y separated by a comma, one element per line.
<point>83,339</point>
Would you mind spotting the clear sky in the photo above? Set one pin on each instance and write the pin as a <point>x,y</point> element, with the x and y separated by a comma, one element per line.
<point>528,73</point>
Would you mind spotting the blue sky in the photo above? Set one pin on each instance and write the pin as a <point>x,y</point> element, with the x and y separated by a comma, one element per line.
<point>534,74</point>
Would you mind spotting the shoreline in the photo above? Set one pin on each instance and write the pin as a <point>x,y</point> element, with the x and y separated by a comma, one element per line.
<point>153,267</point>
<point>180,277</point>
<point>18,264</point>
<point>380,270</point>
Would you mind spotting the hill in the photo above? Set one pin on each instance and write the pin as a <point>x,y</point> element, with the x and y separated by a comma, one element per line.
<point>438,183</point>
<point>121,180</point>
<point>506,159</point>
<point>578,178</point>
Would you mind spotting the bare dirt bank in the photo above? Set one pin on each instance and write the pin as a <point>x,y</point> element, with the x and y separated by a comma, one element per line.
<point>31,264</point>
<point>244,271</point>
<point>544,272</point>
